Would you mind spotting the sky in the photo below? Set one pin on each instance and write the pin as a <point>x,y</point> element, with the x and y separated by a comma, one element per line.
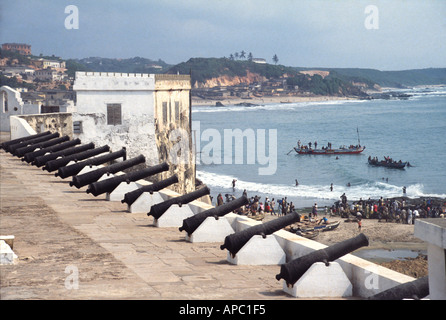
<point>383,35</point>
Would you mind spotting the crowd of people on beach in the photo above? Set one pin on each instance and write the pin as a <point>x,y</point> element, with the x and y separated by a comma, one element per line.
<point>258,207</point>
<point>399,210</point>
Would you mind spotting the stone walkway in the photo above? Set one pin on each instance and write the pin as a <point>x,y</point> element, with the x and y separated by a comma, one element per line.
<point>63,234</point>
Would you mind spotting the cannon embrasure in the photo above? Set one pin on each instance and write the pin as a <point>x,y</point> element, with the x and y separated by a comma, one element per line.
<point>57,163</point>
<point>42,160</point>
<point>6,144</point>
<point>417,289</point>
<point>235,241</point>
<point>87,178</point>
<point>74,169</point>
<point>293,270</point>
<point>132,196</point>
<point>29,157</point>
<point>12,148</point>
<point>108,185</point>
<point>192,223</point>
<point>158,210</point>
<point>20,152</point>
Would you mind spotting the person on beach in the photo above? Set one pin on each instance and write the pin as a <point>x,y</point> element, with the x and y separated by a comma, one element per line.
<point>291,207</point>
<point>314,211</point>
<point>219,200</point>
<point>272,204</point>
<point>359,219</point>
<point>233,183</point>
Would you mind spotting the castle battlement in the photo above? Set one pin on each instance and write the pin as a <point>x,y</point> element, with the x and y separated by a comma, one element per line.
<point>93,81</point>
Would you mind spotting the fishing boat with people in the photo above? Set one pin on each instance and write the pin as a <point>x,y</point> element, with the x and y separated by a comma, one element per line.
<point>387,162</point>
<point>311,148</point>
<point>329,151</point>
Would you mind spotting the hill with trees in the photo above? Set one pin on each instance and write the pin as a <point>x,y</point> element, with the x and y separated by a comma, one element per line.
<point>245,71</point>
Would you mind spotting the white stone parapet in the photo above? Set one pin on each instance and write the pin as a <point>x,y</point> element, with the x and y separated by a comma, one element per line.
<point>113,81</point>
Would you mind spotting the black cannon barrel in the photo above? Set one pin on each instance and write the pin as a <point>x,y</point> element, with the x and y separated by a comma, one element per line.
<point>89,177</point>
<point>57,163</point>
<point>417,289</point>
<point>234,242</point>
<point>29,157</point>
<point>42,160</point>
<point>293,270</point>
<point>5,144</point>
<point>131,196</point>
<point>12,148</point>
<point>20,152</point>
<point>192,223</point>
<point>74,169</point>
<point>108,185</point>
<point>158,210</point>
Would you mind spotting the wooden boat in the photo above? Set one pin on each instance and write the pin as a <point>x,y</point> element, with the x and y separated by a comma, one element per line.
<point>387,164</point>
<point>322,227</point>
<point>344,150</point>
<point>308,234</point>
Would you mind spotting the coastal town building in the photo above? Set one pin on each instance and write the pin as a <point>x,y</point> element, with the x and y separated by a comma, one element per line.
<point>22,48</point>
<point>45,63</point>
<point>49,74</point>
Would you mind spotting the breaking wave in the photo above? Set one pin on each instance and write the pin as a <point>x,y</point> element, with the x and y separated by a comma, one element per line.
<point>373,190</point>
<point>270,106</point>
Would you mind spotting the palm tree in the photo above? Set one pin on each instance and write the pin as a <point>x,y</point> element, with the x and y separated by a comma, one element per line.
<point>242,54</point>
<point>275,59</point>
<point>250,56</point>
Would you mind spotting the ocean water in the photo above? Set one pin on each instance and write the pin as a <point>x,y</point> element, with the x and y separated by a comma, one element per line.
<point>411,130</point>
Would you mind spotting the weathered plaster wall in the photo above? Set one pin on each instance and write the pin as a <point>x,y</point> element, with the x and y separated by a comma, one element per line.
<point>134,92</point>
<point>155,114</point>
<point>54,122</point>
<point>172,116</point>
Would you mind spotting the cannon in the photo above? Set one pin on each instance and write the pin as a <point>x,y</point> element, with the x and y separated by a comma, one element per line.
<point>87,178</point>
<point>158,210</point>
<point>130,197</point>
<point>74,169</point>
<point>12,148</point>
<point>20,152</point>
<point>192,223</point>
<point>42,160</point>
<point>29,157</point>
<point>108,185</point>
<point>293,270</point>
<point>6,144</point>
<point>417,289</point>
<point>234,242</point>
<point>57,163</point>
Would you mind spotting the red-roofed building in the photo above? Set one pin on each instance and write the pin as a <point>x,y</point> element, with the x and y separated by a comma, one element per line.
<point>21,48</point>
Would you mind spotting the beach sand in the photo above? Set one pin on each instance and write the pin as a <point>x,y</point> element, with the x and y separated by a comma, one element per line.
<point>382,235</point>
<point>266,100</point>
